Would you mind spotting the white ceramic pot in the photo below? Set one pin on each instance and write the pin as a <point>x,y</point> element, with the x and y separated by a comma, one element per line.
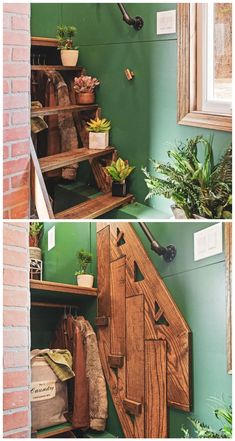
<point>98,141</point>
<point>35,253</point>
<point>178,212</point>
<point>69,57</point>
<point>85,280</point>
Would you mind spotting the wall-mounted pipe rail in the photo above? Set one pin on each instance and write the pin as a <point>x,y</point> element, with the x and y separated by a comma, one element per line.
<point>168,253</point>
<point>136,22</point>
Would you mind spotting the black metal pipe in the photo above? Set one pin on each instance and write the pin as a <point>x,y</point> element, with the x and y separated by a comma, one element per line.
<point>168,252</point>
<point>136,22</point>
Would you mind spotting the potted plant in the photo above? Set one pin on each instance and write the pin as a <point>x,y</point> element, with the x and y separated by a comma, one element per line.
<point>84,259</point>
<point>199,188</point>
<point>98,133</point>
<point>69,53</point>
<point>119,170</point>
<point>35,230</point>
<point>84,87</point>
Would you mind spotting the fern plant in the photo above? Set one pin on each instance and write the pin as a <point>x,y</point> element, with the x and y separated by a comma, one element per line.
<point>198,187</point>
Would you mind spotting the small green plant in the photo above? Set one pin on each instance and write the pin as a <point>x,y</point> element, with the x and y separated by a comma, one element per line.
<point>119,170</point>
<point>35,230</point>
<point>196,185</point>
<point>99,125</point>
<point>223,413</point>
<point>84,258</point>
<point>65,36</point>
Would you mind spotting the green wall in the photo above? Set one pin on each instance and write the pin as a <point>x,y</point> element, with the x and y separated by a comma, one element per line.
<point>197,287</point>
<point>142,111</point>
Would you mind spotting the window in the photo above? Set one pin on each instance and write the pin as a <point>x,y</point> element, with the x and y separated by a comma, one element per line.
<point>205,65</point>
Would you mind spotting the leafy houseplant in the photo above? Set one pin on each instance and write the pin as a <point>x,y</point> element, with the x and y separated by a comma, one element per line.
<point>199,187</point>
<point>35,230</point>
<point>69,52</point>
<point>84,259</point>
<point>223,413</point>
<point>84,87</point>
<point>98,133</point>
<point>119,171</point>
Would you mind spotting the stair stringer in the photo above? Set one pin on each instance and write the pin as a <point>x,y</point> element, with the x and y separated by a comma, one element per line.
<point>174,331</point>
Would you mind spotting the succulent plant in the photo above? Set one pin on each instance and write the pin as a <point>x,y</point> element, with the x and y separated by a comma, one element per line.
<point>98,125</point>
<point>85,83</point>
<point>119,170</point>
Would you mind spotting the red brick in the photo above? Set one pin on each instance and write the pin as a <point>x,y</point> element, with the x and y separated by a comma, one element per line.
<point>20,117</point>
<point>15,166</point>
<point>6,150</point>
<point>18,8</point>
<point>6,214</point>
<point>21,54</point>
<point>20,148</point>
<point>12,400</point>
<point>15,277</point>
<point>6,86</point>
<point>13,338</point>
<point>15,379</point>
<point>15,420</point>
<point>15,38</point>
<point>15,317</point>
<point>14,359</point>
<point>16,297</point>
<point>20,180</point>
<point>20,212</point>
<point>20,85</point>
<point>21,434</point>
<point>16,197</point>
<point>15,236</point>
<point>14,257</point>
<point>7,21</point>
<point>6,119</point>
<point>16,133</point>
<point>16,70</point>
<point>7,53</point>
<point>6,184</point>
<point>15,101</point>
<point>20,22</point>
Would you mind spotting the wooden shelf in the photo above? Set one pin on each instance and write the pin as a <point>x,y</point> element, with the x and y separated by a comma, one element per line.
<point>54,430</point>
<point>41,67</point>
<point>43,285</point>
<point>95,207</point>
<point>56,109</point>
<point>44,41</point>
<point>55,162</point>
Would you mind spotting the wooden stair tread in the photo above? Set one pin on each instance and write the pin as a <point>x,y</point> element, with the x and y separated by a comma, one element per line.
<point>52,110</point>
<point>64,159</point>
<point>44,67</point>
<point>94,207</point>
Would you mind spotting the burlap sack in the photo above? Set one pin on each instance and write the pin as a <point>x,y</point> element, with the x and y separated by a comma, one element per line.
<point>49,401</point>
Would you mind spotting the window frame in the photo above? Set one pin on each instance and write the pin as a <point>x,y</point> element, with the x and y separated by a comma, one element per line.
<point>187,75</point>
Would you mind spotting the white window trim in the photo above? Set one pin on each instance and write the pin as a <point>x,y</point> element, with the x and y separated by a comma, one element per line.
<point>205,44</point>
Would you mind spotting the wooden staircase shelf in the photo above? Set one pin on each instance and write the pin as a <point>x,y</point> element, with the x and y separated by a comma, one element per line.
<point>53,110</point>
<point>44,67</point>
<point>44,285</point>
<point>64,159</point>
<point>95,207</point>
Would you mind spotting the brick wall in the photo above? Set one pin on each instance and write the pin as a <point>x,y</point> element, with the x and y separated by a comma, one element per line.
<point>16,332</point>
<point>16,105</point>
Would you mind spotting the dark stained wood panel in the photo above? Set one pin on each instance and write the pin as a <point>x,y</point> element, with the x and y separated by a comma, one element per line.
<point>132,407</point>
<point>64,159</point>
<point>118,298</point>
<point>94,207</point>
<point>155,389</point>
<point>135,348</point>
<point>103,275</point>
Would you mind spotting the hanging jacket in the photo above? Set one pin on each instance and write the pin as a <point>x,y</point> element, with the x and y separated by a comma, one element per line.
<point>68,336</point>
<point>98,405</point>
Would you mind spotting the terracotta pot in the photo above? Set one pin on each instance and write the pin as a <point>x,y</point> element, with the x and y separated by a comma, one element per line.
<point>85,98</point>
<point>119,188</point>
<point>69,57</point>
<point>178,212</point>
<point>98,141</point>
<point>35,253</point>
<point>85,280</point>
